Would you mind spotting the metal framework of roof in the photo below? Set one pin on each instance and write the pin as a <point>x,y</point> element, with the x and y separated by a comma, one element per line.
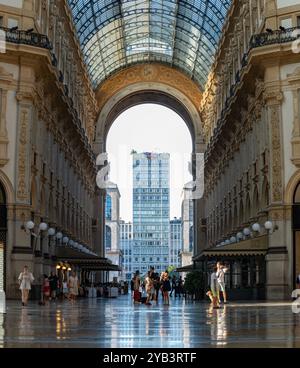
<point>117,33</point>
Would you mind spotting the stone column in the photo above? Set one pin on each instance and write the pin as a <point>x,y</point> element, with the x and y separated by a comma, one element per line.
<point>46,253</point>
<point>199,203</point>
<point>21,252</point>
<point>277,257</point>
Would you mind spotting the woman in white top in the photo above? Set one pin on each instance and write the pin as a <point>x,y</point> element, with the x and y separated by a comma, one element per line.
<point>221,280</point>
<point>73,286</point>
<point>25,279</point>
<point>213,293</point>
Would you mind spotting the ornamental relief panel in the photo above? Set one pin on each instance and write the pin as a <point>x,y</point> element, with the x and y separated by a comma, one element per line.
<point>276,153</point>
<point>149,73</point>
<point>294,81</point>
<point>23,160</point>
<point>5,80</point>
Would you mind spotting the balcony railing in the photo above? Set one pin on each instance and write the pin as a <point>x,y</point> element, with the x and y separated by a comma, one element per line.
<point>274,37</point>
<point>258,40</point>
<point>27,38</point>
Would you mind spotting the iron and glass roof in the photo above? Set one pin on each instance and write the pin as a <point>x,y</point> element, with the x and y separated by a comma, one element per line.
<point>117,33</point>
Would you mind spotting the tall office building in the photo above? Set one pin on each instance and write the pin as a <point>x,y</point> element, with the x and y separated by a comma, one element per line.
<point>126,238</point>
<point>151,211</point>
<point>175,242</point>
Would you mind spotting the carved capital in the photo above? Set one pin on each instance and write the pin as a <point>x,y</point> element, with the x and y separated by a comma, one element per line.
<point>273,97</point>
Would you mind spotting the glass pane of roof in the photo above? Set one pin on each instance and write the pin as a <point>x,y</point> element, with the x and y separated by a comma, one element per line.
<point>117,33</point>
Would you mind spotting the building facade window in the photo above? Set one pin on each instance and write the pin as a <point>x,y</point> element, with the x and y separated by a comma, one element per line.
<point>107,238</point>
<point>108,206</point>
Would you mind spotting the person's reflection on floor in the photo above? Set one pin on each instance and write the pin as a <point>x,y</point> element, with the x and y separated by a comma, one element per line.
<point>60,324</point>
<point>218,325</point>
<point>165,323</point>
<point>25,325</point>
<point>2,330</point>
<point>222,326</point>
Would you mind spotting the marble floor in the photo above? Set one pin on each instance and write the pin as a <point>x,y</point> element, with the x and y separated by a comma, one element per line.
<point>117,323</point>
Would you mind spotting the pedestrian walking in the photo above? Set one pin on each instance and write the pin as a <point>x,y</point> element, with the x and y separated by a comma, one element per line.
<point>46,290</point>
<point>137,285</point>
<point>25,279</point>
<point>178,288</point>
<point>148,287</point>
<point>166,287</point>
<point>173,285</point>
<point>221,269</point>
<point>53,279</point>
<point>73,286</point>
<point>213,293</point>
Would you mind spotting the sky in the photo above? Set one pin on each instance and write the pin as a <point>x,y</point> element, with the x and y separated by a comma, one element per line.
<point>149,128</point>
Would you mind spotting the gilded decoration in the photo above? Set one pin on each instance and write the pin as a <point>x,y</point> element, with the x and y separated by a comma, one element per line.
<point>22,156</point>
<point>149,73</point>
<point>276,154</point>
<point>294,81</point>
<point>273,98</point>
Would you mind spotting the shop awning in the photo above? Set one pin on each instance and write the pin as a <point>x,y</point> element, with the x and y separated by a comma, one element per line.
<point>251,247</point>
<point>89,263</point>
<point>187,268</point>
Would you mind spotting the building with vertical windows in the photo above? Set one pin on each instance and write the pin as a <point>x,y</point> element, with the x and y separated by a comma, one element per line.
<point>151,211</point>
<point>187,225</point>
<point>126,238</point>
<point>112,228</point>
<point>175,246</point>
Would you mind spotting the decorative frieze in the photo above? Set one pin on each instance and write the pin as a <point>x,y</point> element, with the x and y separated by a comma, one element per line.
<point>23,160</point>
<point>294,81</point>
<point>5,80</point>
<point>3,128</point>
<point>274,100</point>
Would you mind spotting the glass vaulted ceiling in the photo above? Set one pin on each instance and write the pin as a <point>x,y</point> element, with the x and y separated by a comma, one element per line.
<point>114,34</point>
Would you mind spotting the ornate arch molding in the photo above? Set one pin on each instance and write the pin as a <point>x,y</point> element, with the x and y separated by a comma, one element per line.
<point>145,84</point>
<point>291,187</point>
<point>9,190</point>
<point>148,97</point>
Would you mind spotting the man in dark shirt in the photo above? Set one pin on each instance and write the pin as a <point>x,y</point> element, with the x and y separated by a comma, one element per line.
<point>53,280</point>
<point>173,285</point>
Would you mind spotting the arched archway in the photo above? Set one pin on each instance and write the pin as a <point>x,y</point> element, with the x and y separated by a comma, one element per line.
<point>148,83</point>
